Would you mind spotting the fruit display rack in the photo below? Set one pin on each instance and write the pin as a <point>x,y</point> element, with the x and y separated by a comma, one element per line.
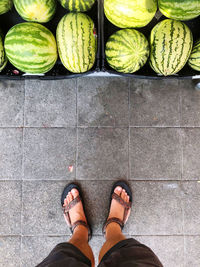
<point>104,30</point>
<point>107,29</point>
<point>12,18</point>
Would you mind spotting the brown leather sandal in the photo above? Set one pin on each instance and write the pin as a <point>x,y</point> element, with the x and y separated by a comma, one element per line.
<point>67,208</point>
<point>126,205</point>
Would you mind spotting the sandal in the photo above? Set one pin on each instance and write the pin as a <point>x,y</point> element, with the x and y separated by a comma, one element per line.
<point>68,207</point>
<point>126,205</point>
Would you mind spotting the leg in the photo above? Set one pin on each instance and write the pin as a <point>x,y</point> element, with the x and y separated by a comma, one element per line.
<point>113,230</point>
<point>75,252</point>
<point>122,251</point>
<point>80,236</point>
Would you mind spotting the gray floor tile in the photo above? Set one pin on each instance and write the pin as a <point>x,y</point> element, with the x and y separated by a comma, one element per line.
<point>31,255</point>
<point>102,153</point>
<point>191,154</point>
<point>11,103</point>
<point>97,207</point>
<point>42,212</point>
<point>48,153</point>
<point>190,104</point>
<point>191,202</point>
<point>157,209</point>
<point>103,102</point>
<point>11,153</point>
<point>50,103</point>
<point>169,249</point>
<point>192,252</point>
<point>155,153</point>
<point>10,208</point>
<point>154,103</point>
<point>10,251</point>
<point>96,243</point>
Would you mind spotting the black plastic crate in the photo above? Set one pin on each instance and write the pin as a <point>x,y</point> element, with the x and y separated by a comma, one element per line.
<point>11,18</point>
<point>107,29</point>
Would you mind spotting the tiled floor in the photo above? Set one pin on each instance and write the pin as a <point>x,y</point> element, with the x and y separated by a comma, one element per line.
<point>147,132</point>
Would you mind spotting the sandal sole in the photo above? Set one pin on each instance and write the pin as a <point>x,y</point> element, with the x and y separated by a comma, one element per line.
<point>65,192</point>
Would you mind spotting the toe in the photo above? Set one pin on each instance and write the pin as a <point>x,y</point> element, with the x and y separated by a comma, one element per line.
<point>70,196</point>
<point>68,199</point>
<point>74,193</point>
<point>65,202</point>
<point>127,198</point>
<point>123,195</point>
<point>118,190</point>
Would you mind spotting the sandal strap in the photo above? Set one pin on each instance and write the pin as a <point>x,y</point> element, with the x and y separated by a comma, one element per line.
<point>72,204</point>
<point>113,219</point>
<point>126,205</point>
<point>80,222</point>
<point>67,208</point>
<point>83,223</point>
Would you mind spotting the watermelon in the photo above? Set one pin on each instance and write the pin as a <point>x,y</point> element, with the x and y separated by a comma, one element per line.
<point>3,58</point>
<point>76,41</point>
<point>31,47</point>
<point>180,9</point>
<point>127,50</point>
<point>171,43</point>
<point>36,10</point>
<point>130,13</point>
<point>5,6</point>
<point>194,60</point>
<point>77,5</point>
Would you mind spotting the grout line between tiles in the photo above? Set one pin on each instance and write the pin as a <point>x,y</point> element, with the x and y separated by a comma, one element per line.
<point>76,163</point>
<point>21,196</point>
<point>184,250</point>
<point>97,126</point>
<point>181,143</point>
<point>100,235</point>
<point>181,136</point>
<point>129,131</point>
<point>99,179</point>
<point>24,102</point>
<point>181,104</point>
<point>23,134</point>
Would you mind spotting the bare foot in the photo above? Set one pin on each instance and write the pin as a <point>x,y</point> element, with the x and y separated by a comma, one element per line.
<point>116,209</point>
<point>76,213</point>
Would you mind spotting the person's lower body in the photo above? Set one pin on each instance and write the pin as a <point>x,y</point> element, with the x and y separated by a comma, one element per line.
<point>126,253</point>
<point>116,251</point>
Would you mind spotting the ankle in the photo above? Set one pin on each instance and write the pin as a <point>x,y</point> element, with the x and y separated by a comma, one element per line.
<point>80,232</point>
<point>113,231</point>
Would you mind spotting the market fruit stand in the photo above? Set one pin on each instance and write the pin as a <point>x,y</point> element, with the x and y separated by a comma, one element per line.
<point>104,29</point>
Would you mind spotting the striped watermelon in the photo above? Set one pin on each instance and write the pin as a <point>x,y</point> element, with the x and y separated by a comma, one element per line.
<point>130,13</point>
<point>36,10</point>
<point>180,10</point>
<point>31,47</point>
<point>3,58</point>
<point>5,6</point>
<point>77,5</point>
<point>76,41</point>
<point>127,50</point>
<point>171,44</point>
<point>194,60</point>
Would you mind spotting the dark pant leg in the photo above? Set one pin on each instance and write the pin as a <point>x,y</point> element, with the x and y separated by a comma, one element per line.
<point>130,253</point>
<point>65,255</point>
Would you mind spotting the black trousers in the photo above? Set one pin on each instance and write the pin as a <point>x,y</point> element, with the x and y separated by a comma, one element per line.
<point>126,253</point>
